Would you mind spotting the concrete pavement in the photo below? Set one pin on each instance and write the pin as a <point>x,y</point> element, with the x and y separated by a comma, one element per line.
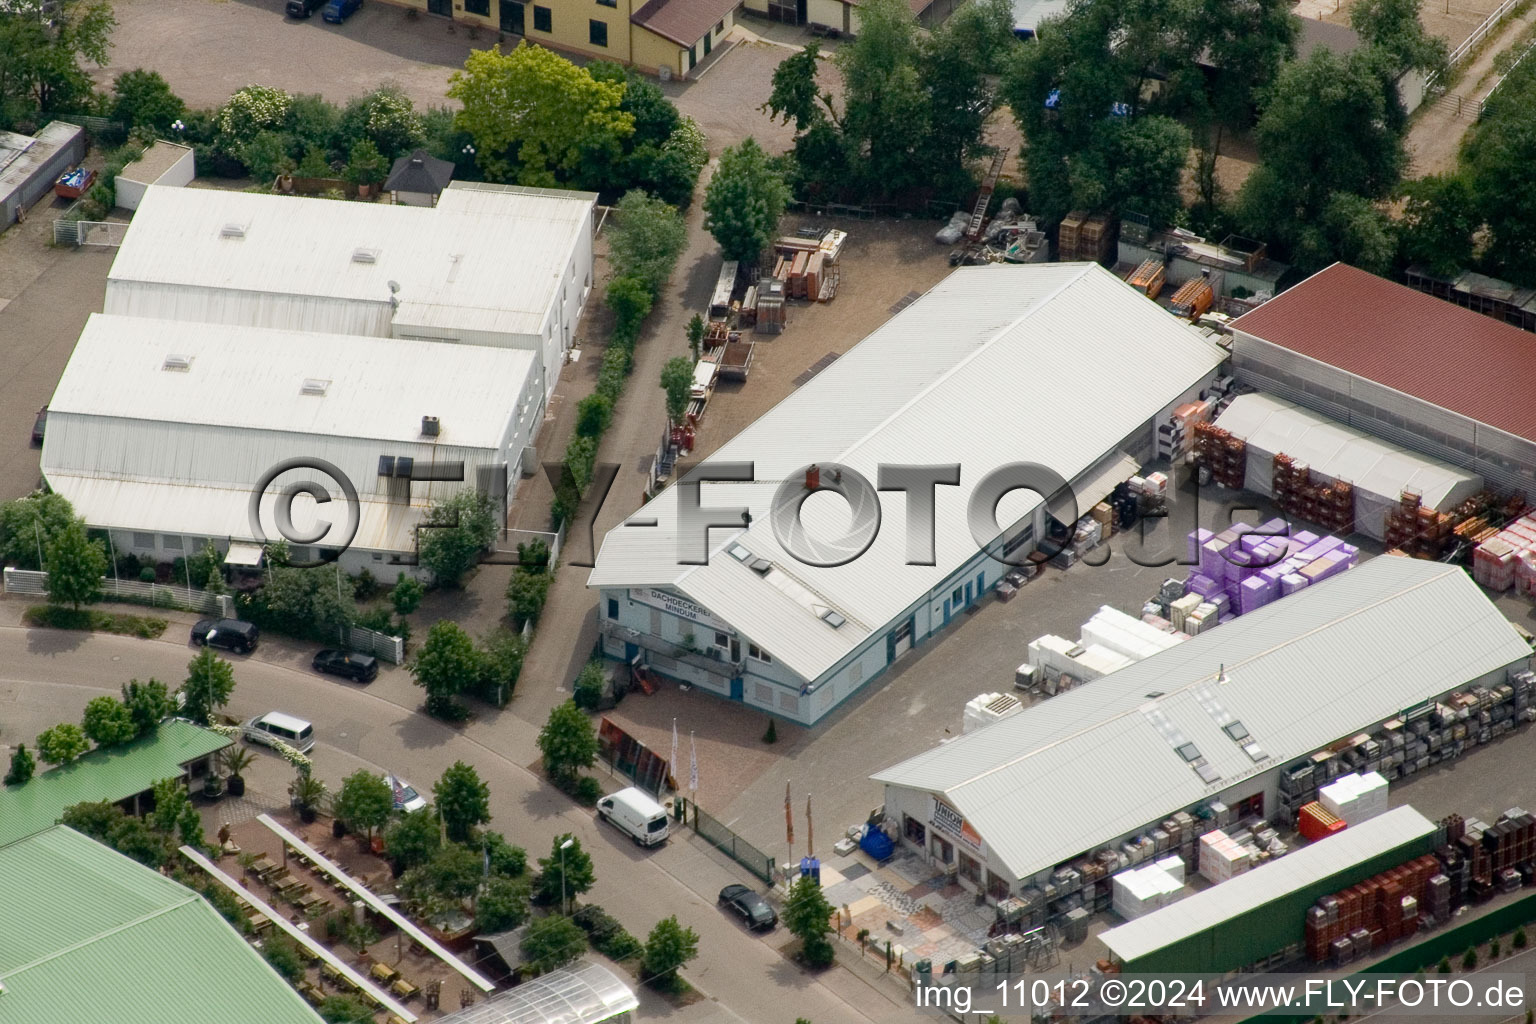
<point>47,677</point>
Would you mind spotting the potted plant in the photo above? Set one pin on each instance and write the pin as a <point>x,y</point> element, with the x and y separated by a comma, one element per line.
<point>235,760</point>
<point>366,167</point>
<point>213,785</point>
<point>307,792</point>
<point>338,823</point>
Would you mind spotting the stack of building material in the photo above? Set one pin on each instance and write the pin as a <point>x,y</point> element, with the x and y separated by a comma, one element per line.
<point>1066,663</point>
<point>1221,857</point>
<point>1176,438</point>
<point>1224,456</point>
<point>1069,236</point>
<point>1245,568</point>
<point>1417,529</point>
<point>1331,503</point>
<point>1148,278</point>
<point>832,244</point>
<point>1355,798</point>
<point>770,306</point>
<point>1140,891</point>
<point>1317,822</point>
<point>1378,911</point>
<point>1508,558</point>
<point>989,708</point>
<point>1126,635</point>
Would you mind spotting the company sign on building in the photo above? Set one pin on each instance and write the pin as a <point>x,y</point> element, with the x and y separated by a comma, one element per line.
<point>681,607</point>
<point>950,822</point>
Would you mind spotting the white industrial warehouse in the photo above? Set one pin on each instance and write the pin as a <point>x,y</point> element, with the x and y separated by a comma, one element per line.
<point>160,430</point>
<point>490,265</point>
<point>1061,365</point>
<point>1402,365</point>
<point>1217,718</point>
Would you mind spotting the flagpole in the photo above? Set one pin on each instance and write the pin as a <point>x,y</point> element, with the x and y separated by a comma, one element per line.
<point>810,829</point>
<point>693,769</point>
<point>789,834</point>
<point>672,764</point>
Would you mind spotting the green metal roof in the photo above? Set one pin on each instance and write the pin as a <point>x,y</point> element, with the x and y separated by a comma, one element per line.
<point>88,935</point>
<point>111,775</point>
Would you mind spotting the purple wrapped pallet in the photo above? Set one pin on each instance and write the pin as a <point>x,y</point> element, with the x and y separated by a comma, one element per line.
<point>1197,541</point>
<point>1351,552</point>
<point>1201,584</point>
<point>1251,596</point>
<point>1276,527</point>
<point>1212,560</point>
<point>1292,582</point>
<point>1223,605</point>
<point>1306,538</point>
<point>1315,551</point>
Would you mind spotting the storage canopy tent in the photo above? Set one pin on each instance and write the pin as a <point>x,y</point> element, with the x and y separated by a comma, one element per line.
<point>1380,472</point>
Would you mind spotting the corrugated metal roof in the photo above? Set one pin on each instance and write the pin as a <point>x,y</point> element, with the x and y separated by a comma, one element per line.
<point>88,935</point>
<point>1053,364</point>
<point>256,378</point>
<point>1339,452</point>
<point>1402,339</point>
<point>583,993</point>
<point>283,261</point>
<point>103,775</point>
<point>1253,889</point>
<point>1090,765</point>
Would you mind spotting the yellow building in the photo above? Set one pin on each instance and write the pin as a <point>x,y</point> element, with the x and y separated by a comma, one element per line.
<point>666,37</point>
<point>840,17</point>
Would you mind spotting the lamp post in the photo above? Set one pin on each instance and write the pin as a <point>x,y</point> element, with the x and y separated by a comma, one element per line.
<point>563,847</point>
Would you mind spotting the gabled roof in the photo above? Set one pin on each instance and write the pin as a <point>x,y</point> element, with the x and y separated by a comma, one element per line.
<point>1049,363</point>
<point>684,22</point>
<point>87,934</point>
<point>1405,340</point>
<point>1336,657</point>
<point>419,171</point>
<point>111,775</point>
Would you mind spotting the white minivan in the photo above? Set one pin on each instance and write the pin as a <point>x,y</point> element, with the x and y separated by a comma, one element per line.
<point>636,814</point>
<point>276,726</point>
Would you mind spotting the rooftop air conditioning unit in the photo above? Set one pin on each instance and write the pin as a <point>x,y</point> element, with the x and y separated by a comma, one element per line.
<point>315,386</point>
<point>365,255</point>
<point>430,426</point>
<point>232,230</point>
<point>181,364</point>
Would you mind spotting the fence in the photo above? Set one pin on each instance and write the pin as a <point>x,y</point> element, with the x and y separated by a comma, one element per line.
<point>28,581</point>
<point>380,645</point>
<point>1478,35</point>
<point>1483,105</point>
<point>726,841</point>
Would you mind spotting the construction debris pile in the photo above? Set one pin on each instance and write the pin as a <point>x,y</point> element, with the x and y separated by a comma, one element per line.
<point>1013,236</point>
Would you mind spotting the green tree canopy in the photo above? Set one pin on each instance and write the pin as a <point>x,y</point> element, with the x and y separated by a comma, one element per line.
<point>445,664</point>
<point>1393,28</point>
<point>463,800</point>
<point>456,531</point>
<point>148,703</point>
<point>573,865</point>
<point>412,839</point>
<point>744,201</point>
<point>142,98</point>
<point>95,819</point>
<point>210,681</point>
<point>532,113</point>
<point>29,525</point>
<point>75,565</point>
<point>315,602</point>
<point>406,594</point>
<point>386,118</point>
<point>568,743</point>
<point>667,949</point>
<point>502,905</point>
<point>40,58</point>
<point>552,942</point>
<point>108,722</point>
<point>170,799</point>
<point>1499,160</point>
<point>646,239</point>
<point>677,383</point>
<point>22,766</point>
<point>807,915</point>
<point>364,801</point>
<point>62,744</point>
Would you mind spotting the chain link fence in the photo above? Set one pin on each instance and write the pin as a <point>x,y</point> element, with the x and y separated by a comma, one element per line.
<point>726,841</point>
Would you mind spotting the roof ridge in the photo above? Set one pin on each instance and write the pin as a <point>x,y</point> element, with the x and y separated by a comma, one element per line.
<point>1187,687</point>
<point>63,950</point>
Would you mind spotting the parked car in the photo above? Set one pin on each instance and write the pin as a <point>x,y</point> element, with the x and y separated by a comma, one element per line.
<point>230,634</point>
<point>635,814</point>
<point>406,797</point>
<point>338,11</point>
<point>754,910</point>
<point>274,726</point>
<point>360,668</point>
<point>303,8</point>
<point>38,425</point>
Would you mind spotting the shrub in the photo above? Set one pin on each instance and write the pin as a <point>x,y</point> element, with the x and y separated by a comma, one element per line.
<point>1519,940</point>
<point>147,574</point>
<point>526,594</point>
<point>587,791</point>
<point>588,689</point>
<point>772,735</point>
<point>1469,958</point>
<point>593,415</point>
<point>407,594</point>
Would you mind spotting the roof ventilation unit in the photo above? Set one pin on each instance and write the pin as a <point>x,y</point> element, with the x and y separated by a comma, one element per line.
<point>365,255</point>
<point>232,230</point>
<point>315,386</point>
<point>430,426</point>
<point>831,617</point>
<point>181,364</point>
<point>761,565</point>
<point>386,465</point>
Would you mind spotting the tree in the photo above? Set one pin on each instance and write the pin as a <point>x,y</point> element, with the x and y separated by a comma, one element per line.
<point>1393,28</point>
<point>956,63</point>
<point>573,865</point>
<point>148,704</point>
<point>75,565</point>
<point>456,531</point>
<point>406,595</point>
<point>250,111</point>
<point>29,525</point>
<point>506,860</point>
<point>315,602</point>
<point>587,691</point>
<point>807,915</point>
<point>677,382</point>
<point>345,1009</point>
<point>41,63</point>
<point>365,164</point>
<point>210,681</point>
<point>412,839</point>
<point>630,299</point>
<point>189,827</point>
<point>1519,940</point>
<point>136,840</point>
<point>667,949</point>
<point>532,113</point>
<point>314,164</point>
<point>552,942</point>
<point>885,114</point>
<point>94,819</point>
<point>462,800</point>
<point>62,744</point>
<point>1499,156</point>
<point>170,799</point>
<point>446,663</point>
<point>1439,218</point>
<point>108,723</point>
<point>22,766</point>
<point>744,201</point>
<point>142,98</point>
<point>386,118</point>
<point>646,239</point>
<point>696,335</point>
<point>1469,958</point>
<point>501,662</point>
<point>453,874</point>
<point>502,905</point>
<point>282,955</point>
<point>593,414</point>
<point>364,802</point>
<point>568,743</point>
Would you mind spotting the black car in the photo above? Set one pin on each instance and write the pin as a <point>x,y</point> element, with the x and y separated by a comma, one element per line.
<point>360,668</point>
<point>230,634</point>
<point>754,910</point>
<point>303,8</point>
<point>38,425</point>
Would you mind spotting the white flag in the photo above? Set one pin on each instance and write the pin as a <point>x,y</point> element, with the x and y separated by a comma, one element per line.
<point>672,764</point>
<point>693,764</point>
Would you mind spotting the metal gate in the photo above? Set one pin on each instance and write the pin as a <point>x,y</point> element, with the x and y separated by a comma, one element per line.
<point>107,234</point>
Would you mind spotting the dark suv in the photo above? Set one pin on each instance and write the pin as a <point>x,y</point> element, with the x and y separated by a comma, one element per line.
<point>360,668</point>
<point>303,8</point>
<point>230,634</point>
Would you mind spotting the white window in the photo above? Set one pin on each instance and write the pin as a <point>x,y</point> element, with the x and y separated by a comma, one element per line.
<point>764,694</point>
<point>172,542</point>
<point>143,540</point>
<point>722,640</point>
<point>761,655</point>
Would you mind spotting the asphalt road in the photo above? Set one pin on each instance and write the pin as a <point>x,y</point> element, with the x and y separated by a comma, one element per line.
<point>47,676</point>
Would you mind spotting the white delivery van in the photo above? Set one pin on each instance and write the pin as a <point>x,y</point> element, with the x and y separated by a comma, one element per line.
<point>635,813</point>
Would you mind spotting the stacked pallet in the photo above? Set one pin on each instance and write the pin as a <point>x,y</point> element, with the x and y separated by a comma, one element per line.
<point>1140,891</point>
<point>1418,531</point>
<point>1225,456</point>
<point>1177,437</point>
<point>1356,921</point>
<point>1317,822</point>
<point>1245,568</point>
<point>770,306</point>
<point>1330,504</point>
<point>1508,558</point>
<point>1069,235</point>
<point>1355,798</point>
<point>1221,857</point>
